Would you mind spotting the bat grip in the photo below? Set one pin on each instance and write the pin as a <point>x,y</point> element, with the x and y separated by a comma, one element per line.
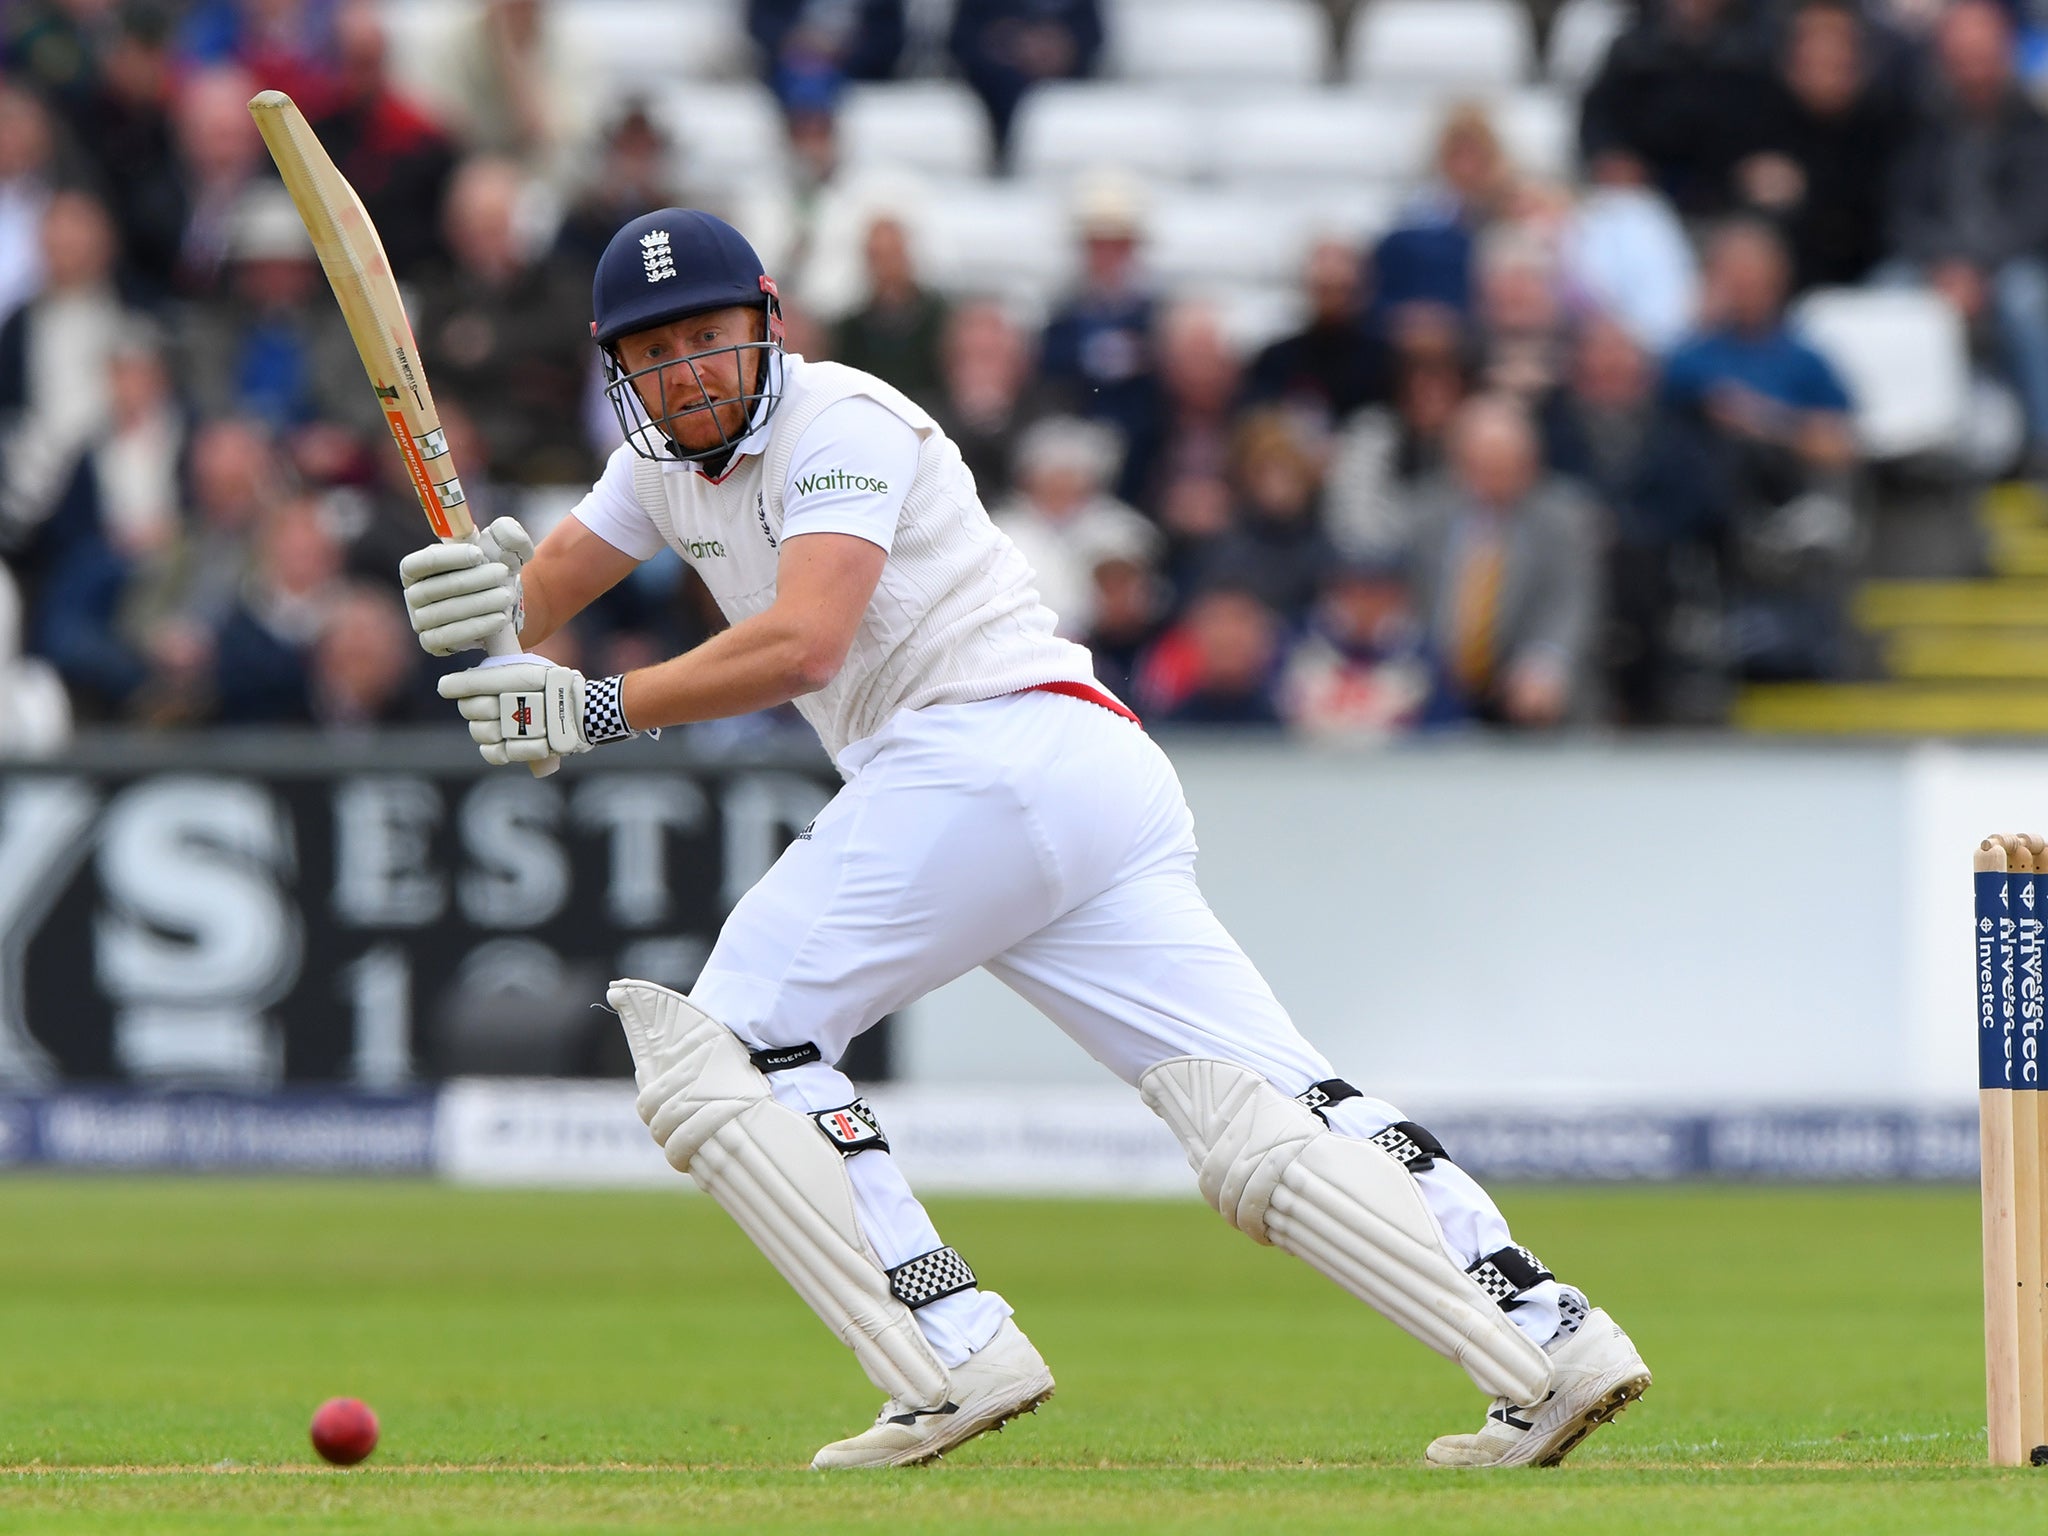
<point>505,643</point>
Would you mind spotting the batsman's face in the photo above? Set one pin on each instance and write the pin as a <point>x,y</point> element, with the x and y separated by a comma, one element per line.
<point>688,373</point>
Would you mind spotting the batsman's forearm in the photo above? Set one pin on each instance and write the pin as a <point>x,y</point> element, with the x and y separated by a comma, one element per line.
<point>757,664</point>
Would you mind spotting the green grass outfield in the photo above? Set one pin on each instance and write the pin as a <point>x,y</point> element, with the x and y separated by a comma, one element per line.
<point>624,1362</point>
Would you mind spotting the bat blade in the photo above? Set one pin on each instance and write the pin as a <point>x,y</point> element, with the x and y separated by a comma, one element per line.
<point>352,256</point>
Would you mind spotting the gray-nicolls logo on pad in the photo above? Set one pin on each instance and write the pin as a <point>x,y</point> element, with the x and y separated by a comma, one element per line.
<point>654,253</point>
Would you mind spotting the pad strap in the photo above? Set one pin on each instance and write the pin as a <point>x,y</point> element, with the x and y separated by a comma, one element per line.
<point>1507,1273</point>
<point>780,1058</point>
<point>851,1128</point>
<point>926,1278</point>
<point>1411,1146</point>
<point>1320,1096</point>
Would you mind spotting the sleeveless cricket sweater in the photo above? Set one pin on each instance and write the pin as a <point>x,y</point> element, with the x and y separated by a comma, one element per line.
<point>955,617</point>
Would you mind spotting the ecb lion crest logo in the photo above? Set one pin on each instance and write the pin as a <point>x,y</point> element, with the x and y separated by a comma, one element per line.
<point>654,255</point>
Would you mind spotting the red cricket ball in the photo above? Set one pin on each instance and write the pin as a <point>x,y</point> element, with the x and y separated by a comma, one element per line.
<point>344,1430</point>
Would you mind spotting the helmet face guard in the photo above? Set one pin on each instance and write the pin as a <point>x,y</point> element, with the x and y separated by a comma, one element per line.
<point>655,436</point>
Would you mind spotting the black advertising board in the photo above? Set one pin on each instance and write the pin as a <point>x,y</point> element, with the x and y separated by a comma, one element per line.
<point>374,913</point>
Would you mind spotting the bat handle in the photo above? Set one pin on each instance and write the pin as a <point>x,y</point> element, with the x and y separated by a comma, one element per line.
<point>505,643</point>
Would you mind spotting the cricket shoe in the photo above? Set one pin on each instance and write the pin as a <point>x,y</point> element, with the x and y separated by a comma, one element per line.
<point>1003,1378</point>
<point>1595,1373</point>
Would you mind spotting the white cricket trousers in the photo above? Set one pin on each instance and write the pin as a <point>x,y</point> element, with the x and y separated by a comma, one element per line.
<point>1044,838</point>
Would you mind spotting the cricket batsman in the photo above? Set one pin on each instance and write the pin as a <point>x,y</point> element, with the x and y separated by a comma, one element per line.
<point>1000,809</point>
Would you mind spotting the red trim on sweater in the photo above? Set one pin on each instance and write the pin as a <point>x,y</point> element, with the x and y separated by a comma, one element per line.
<point>1085,692</point>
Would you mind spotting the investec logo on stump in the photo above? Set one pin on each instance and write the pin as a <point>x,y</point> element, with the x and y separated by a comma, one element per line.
<point>840,480</point>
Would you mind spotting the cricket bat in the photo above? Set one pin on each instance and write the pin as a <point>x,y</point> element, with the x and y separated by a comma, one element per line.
<point>353,258</point>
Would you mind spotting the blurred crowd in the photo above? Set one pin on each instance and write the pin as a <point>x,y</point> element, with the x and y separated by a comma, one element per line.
<point>1536,455</point>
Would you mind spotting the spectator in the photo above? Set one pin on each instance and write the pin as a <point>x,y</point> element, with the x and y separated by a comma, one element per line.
<point>1828,142</point>
<point>1506,575</point>
<point>236,477</point>
<point>1061,516</point>
<point>987,391</point>
<point>896,333</point>
<point>287,44</point>
<point>632,175</point>
<point>1275,549</point>
<point>273,346</point>
<point>1625,254</point>
<point>1776,418</point>
<point>112,531</point>
<point>1521,319</point>
<point>24,195</point>
<point>54,353</point>
<point>1427,257</point>
<point>126,131</point>
<point>1333,365</point>
<point>390,149</point>
<point>1361,670</point>
<point>1129,605</point>
<point>1218,666</point>
<point>1680,95</point>
<point>1096,355</point>
<point>220,155</point>
<point>805,41</point>
<point>365,664</point>
<point>1005,47</point>
<point>521,87</point>
<point>1660,490</point>
<point>35,711</point>
<point>1971,211</point>
<point>507,335</point>
<point>1188,463</point>
<point>1385,453</point>
<point>263,654</point>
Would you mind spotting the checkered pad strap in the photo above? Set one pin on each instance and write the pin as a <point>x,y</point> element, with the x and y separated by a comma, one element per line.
<point>604,719</point>
<point>852,1128</point>
<point>926,1278</point>
<point>1320,1096</point>
<point>1411,1146</point>
<point>1507,1272</point>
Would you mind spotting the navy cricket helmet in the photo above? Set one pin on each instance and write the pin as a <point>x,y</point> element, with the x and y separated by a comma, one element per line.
<point>665,266</point>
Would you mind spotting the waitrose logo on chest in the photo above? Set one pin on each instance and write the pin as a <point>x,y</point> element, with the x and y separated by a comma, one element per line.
<point>840,480</point>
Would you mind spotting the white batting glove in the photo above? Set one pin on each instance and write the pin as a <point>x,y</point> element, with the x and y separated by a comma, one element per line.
<point>459,595</point>
<point>524,708</point>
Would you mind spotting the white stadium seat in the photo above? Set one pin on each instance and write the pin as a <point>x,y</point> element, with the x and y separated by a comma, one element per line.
<point>1234,42</point>
<point>1322,135</point>
<point>725,132</point>
<point>939,126</point>
<point>1441,44</point>
<point>1013,240</point>
<point>643,46</point>
<point>1540,128</point>
<point>1070,127</point>
<point>1207,237</point>
<point>1254,317</point>
<point>1580,37</point>
<point>1905,357</point>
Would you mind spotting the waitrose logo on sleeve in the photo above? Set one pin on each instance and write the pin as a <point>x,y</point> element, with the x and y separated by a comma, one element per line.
<point>840,480</point>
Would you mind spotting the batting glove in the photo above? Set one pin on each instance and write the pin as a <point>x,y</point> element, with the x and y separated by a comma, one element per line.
<point>524,708</point>
<point>459,595</point>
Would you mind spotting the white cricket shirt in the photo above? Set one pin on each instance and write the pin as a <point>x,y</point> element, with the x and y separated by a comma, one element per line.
<point>955,616</point>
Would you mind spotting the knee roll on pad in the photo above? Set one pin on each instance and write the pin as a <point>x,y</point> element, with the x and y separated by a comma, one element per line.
<point>1347,1208</point>
<point>770,1169</point>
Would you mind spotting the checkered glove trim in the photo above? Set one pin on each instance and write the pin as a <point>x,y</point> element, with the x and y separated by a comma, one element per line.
<point>603,717</point>
<point>926,1278</point>
<point>1507,1272</point>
